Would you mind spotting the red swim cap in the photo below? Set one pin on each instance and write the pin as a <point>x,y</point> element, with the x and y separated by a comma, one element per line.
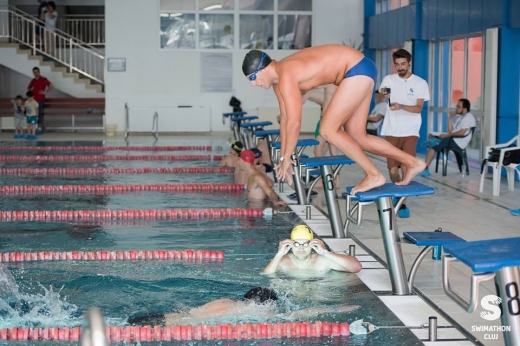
<point>247,156</point>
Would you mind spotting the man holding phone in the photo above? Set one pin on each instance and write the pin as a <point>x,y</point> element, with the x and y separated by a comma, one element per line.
<point>406,94</point>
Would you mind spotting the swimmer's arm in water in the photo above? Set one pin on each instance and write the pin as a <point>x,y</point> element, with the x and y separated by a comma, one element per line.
<point>262,183</point>
<point>336,261</point>
<point>318,311</point>
<point>283,248</point>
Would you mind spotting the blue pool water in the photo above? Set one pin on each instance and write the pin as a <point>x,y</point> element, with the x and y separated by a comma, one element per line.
<point>57,293</point>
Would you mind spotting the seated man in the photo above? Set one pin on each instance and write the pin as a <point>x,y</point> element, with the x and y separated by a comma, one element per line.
<point>231,160</point>
<point>257,302</point>
<point>257,184</point>
<point>302,243</point>
<point>460,123</point>
<point>375,118</point>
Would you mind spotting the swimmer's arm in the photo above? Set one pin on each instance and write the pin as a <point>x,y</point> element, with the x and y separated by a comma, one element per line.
<point>319,311</point>
<point>282,117</point>
<point>342,262</point>
<point>291,96</point>
<point>223,162</point>
<point>283,248</point>
<point>262,183</point>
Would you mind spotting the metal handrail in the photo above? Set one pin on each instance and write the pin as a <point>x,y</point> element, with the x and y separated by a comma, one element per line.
<point>76,55</point>
<point>155,124</point>
<point>95,333</point>
<point>87,28</point>
<point>127,121</point>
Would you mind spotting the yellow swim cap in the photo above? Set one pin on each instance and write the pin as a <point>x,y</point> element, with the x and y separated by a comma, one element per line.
<point>301,232</point>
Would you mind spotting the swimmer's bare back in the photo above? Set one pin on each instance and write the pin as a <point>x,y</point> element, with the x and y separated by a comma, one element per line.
<point>317,66</point>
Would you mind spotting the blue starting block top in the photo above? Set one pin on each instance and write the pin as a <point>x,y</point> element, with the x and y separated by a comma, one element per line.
<point>251,117</point>
<point>300,143</point>
<point>257,124</point>
<point>432,238</point>
<point>487,255</point>
<point>234,114</point>
<point>326,160</point>
<point>267,133</point>
<point>392,190</point>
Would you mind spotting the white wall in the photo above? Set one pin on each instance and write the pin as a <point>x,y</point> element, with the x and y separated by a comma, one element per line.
<point>157,78</point>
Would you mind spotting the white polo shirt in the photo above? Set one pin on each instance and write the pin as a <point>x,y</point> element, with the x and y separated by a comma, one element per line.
<point>464,122</point>
<point>401,123</point>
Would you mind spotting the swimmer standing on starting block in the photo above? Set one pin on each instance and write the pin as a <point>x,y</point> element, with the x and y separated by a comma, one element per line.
<point>355,75</point>
<point>257,302</point>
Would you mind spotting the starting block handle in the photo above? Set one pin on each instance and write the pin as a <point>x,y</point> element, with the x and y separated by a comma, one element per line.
<point>355,214</point>
<point>476,279</point>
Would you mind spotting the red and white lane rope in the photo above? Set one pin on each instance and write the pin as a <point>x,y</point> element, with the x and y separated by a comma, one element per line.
<point>244,331</point>
<point>111,189</point>
<point>154,214</point>
<point>98,148</point>
<point>101,170</point>
<point>110,255</point>
<point>98,158</point>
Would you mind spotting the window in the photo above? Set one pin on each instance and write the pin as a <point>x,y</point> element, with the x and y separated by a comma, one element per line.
<point>383,6</point>
<point>294,31</point>
<point>217,24</point>
<point>256,31</point>
<point>216,31</point>
<point>456,72</point>
<point>177,31</point>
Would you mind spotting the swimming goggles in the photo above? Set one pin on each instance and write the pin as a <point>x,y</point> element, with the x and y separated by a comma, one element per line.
<point>305,244</point>
<point>252,76</point>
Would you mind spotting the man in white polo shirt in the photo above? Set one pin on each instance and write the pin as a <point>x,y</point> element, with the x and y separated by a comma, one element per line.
<point>406,93</point>
<point>460,123</point>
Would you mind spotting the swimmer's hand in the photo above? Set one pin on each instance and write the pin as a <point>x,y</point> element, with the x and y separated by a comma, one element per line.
<point>318,246</point>
<point>284,170</point>
<point>284,246</point>
<point>280,203</point>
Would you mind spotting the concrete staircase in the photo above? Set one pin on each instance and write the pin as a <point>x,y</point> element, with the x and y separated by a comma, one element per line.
<point>17,58</point>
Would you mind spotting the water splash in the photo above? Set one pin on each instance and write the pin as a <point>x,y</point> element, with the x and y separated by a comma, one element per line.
<point>47,309</point>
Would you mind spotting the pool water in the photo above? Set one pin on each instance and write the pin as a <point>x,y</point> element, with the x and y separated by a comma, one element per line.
<point>56,293</point>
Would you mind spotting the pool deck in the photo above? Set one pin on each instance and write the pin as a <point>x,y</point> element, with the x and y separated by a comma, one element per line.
<point>457,207</point>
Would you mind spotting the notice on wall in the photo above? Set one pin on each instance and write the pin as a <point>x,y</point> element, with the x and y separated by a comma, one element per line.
<point>216,72</point>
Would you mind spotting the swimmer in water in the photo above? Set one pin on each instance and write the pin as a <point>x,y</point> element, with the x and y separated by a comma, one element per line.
<point>302,243</point>
<point>257,302</point>
<point>231,160</point>
<point>257,184</point>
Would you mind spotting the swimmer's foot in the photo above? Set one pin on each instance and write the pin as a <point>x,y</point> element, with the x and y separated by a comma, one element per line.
<point>369,183</point>
<point>412,171</point>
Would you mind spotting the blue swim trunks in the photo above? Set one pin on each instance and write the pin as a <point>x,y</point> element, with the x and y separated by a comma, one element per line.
<point>32,120</point>
<point>365,67</point>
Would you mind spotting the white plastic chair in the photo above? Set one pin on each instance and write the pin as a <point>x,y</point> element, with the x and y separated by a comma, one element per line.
<point>497,167</point>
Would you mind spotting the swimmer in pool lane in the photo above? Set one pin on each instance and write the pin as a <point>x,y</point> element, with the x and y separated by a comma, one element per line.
<point>302,243</point>
<point>257,302</point>
<point>257,184</point>
<point>355,75</point>
<point>261,167</point>
<point>231,160</point>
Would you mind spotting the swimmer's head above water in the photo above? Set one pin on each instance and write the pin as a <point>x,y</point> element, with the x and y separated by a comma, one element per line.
<point>237,146</point>
<point>301,232</point>
<point>261,295</point>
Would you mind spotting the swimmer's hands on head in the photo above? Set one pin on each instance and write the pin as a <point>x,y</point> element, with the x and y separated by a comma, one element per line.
<point>318,246</point>
<point>285,246</point>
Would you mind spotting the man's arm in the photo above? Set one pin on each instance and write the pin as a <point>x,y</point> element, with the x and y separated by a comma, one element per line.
<point>318,311</point>
<point>336,261</point>
<point>291,96</point>
<point>374,119</point>
<point>30,86</point>
<point>412,109</point>
<point>282,117</point>
<point>49,86</point>
<point>262,183</point>
<point>224,162</point>
<point>283,248</point>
